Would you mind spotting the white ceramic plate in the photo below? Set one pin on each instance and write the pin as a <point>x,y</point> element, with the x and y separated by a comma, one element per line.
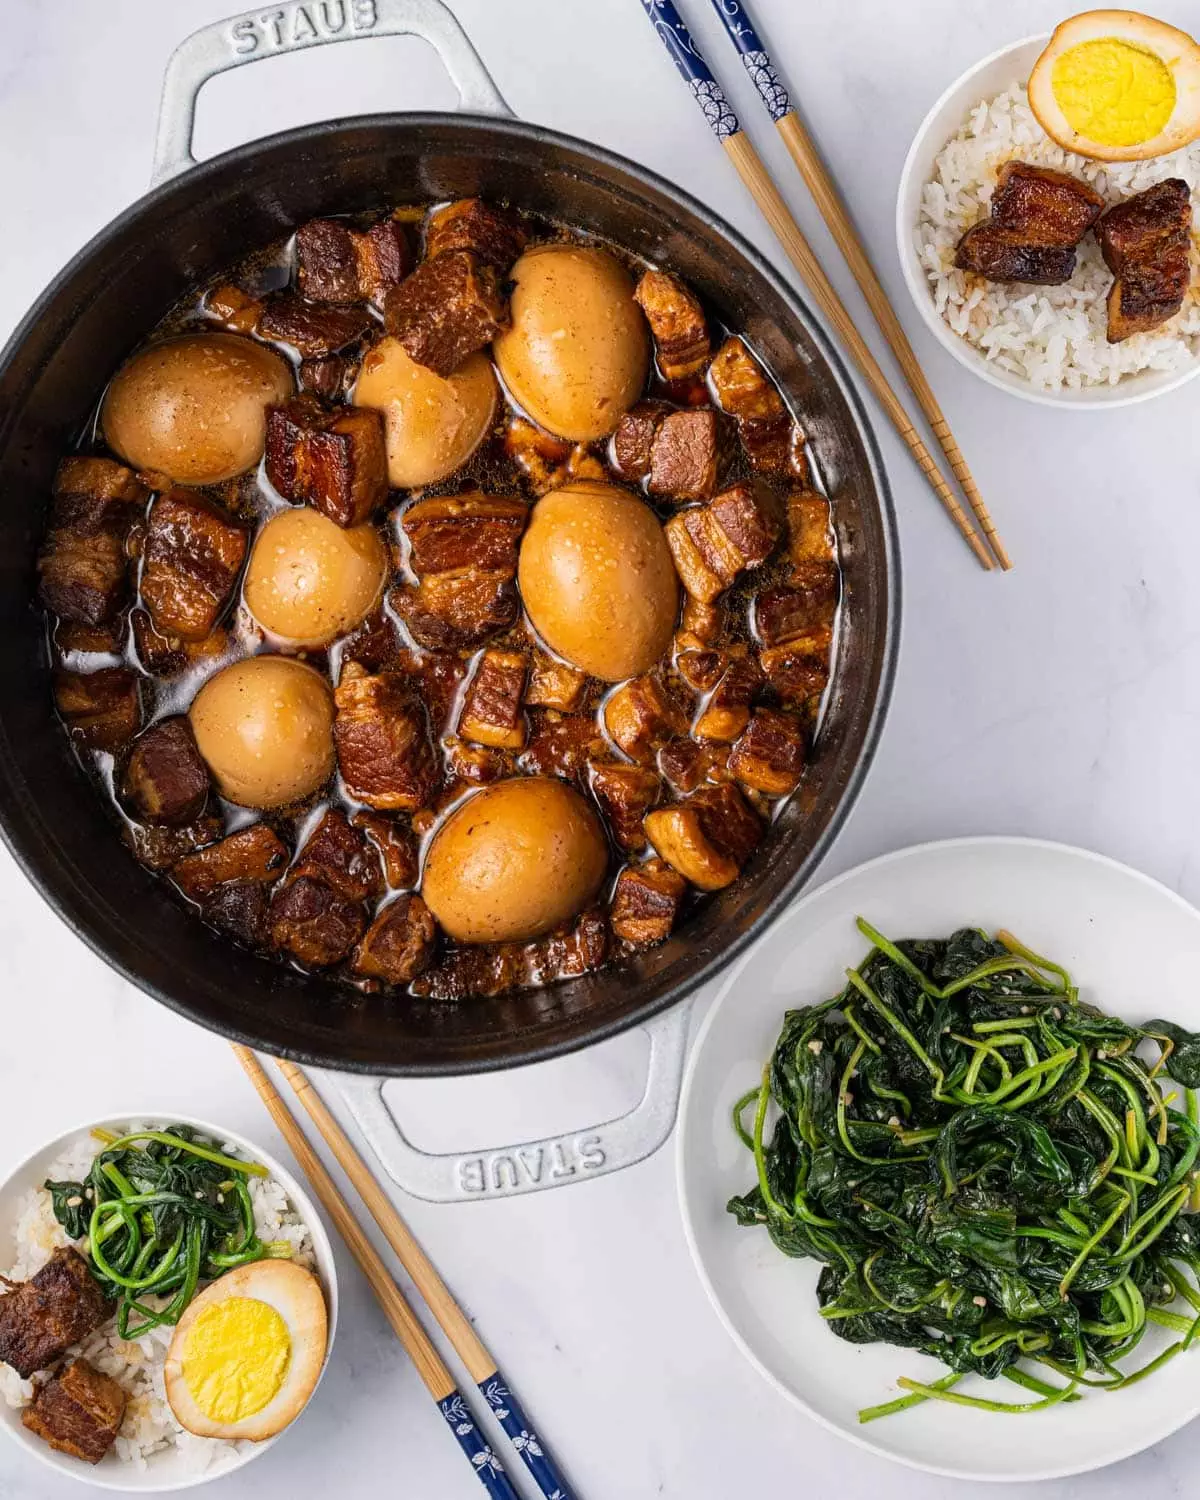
<point>166,1470</point>
<point>1131,945</point>
<point>1012,64</point>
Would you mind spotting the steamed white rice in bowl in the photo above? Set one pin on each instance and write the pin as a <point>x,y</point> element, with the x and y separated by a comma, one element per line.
<point>152,1451</point>
<point>1047,342</point>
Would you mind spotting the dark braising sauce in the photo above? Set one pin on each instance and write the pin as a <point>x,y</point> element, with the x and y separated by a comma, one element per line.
<point>697,753</point>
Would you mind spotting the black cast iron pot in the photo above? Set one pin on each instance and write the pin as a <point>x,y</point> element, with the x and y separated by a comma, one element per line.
<point>106,302</point>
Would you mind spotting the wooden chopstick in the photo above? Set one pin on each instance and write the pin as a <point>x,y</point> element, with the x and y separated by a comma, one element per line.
<point>453,1322</point>
<point>833,210</point>
<point>430,1366</point>
<point>807,158</point>
<point>753,172</point>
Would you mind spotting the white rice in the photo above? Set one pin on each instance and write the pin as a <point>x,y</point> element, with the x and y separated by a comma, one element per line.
<point>150,1425</point>
<point>1054,336</point>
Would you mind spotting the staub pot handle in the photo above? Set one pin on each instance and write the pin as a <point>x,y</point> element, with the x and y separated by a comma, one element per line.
<point>530,1166</point>
<point>293,28</point>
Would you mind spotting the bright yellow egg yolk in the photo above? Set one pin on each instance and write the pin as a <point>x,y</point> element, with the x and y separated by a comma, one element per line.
<point>1114,92</point>
<point>235,1358</point>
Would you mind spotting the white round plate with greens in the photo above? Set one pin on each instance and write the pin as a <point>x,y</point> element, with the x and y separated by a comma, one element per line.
<point>1133,948</point>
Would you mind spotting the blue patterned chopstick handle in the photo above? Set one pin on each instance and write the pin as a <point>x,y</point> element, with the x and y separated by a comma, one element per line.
<point>507,1411</point>
<point>755,56</point>
<point>477,1448</point>
<point>677,39</point>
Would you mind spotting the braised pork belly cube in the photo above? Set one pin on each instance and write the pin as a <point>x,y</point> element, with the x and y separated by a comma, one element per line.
<point>470,224</point>
<point>685,455</point>
<point>438,676</point>
<point>78,1412</point>
<point>798,669</point>
<point>809,535</point>
<point>342,856</point>
<point>385,257</point>
<point>769,436</point>
<point>317,913</point>
<point>1146,242</point>
<point>562,744</point>
<point>742,387</point>
<point>193,554</point>
<point>381,734</point>
<point>701,667</point>
<point>465,531</point>
<point>395,845</point>
<point>314,923</point>
<point>103,709</point>
<point>165,780</point>
<point>230,880</point>
<point>702,621</point>
<point>633,441</point>
<point>775,447</point>
<point>726,711</point>
<point>554,684</point>
<point>334,460</point>
<point>461,607</point>
<point>313,329</point>
<point>83,573</point>
<point>646,903</point>
<point>474,765</point>
<point>626,794</point>
<point>641,714</point>
<point>492,711</point>
<point>769,757</point>
<point>579,949</point>
<point>374,645</point>
<point>160,846</point>
<point>252,856</point>
<point>474,973</point>
<point>688,765</point>
<point>107,639</point>
<point>447,309</point>
<point>707,838</point>
<point>336,263</point>
<point>711,544</point>
<point>233,308</point>
<point>399,943</point>
<point>325,378</point>
<point>165,655</point>
<point>677,322</point>
<point>41,1318</point>
<point>781,614</point>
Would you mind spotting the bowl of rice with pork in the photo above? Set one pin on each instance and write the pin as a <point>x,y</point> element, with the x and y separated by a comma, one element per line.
<point>1046,343</point>
<point>151,1450</point>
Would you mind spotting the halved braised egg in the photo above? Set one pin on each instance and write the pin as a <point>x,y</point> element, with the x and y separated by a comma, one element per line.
<point>248,1352</point>
<point>1116,85</point>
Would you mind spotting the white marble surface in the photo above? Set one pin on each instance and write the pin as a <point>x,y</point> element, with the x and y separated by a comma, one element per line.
<point>1062,700</point>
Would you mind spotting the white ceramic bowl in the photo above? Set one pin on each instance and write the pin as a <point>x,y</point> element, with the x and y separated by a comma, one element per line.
<point>990,77</point>
<point>166,1470</point>
<point>1130,944</point>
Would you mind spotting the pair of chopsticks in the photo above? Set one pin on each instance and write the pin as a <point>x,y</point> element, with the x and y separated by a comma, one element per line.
<point>725,125</point>
<point>450,1317</point>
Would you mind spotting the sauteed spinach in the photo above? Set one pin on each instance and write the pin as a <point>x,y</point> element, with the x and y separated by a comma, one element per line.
<point>987,1168</point>
<point>162,1210</point>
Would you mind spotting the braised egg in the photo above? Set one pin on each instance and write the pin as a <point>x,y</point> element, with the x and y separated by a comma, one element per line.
<point>431,425</point>
<point>195,408</point>
<point>514,861</point>
<point>264,726</point>
<point>248,1352</point>
<point>1115,85</point>
<point>597,579</point>
<point>577,352</point>
<point>310,580</point>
